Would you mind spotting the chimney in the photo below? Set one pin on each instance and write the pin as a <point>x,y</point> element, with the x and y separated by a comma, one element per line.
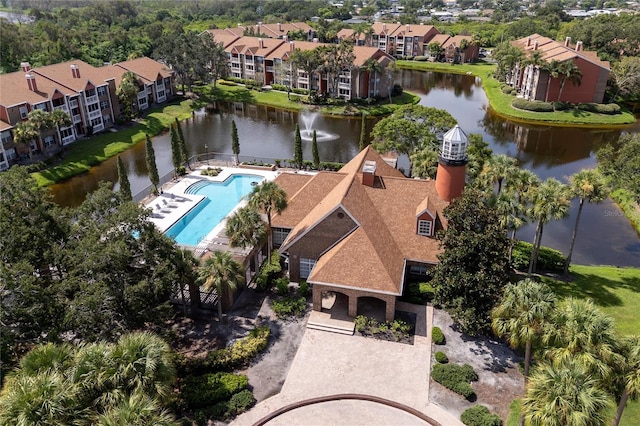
<point>292,46</point>
<point>26,66</point>
<point>535,45</point>
<point>279,27</point>
<point>368,173</point>
<point>528,41</point>
<point>258,28</point>
<point>261,43</point>
<point>408,28</point>
<point>578,46</point>
<point>384,27</point>
<point>285,38</point>
<point>31,82</point>
<point>75,71</point>
<point>567,41</point>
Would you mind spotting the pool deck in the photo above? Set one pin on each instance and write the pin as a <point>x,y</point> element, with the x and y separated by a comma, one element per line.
<point>173,203</point>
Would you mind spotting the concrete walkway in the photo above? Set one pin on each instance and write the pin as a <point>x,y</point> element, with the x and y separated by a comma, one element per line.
<point>330,364</point>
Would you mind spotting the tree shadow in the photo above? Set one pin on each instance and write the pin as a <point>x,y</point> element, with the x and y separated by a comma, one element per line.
<point>490,355</point>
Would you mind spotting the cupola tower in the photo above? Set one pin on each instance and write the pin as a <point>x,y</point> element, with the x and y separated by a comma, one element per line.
<point>452,164</point>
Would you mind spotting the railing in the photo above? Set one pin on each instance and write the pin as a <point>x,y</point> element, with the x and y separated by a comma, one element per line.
<point>61,107</point>
<point>92,99</point>
<point>68,140</point>
<point>95,114</point>
<point>77,119</point>
<point>98,127</point>
<point>73,103</point>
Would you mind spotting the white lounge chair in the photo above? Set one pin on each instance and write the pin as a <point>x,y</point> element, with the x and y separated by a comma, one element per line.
<point>171,206</point>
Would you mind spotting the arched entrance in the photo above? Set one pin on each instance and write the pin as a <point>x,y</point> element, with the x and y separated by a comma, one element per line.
<point>335,303</point>
<point>372,307</point>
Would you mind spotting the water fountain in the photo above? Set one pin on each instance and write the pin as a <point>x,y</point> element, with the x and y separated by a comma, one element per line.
<point>308,119</point>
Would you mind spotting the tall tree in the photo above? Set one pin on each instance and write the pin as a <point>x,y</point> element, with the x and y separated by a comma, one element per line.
<point>308,61</point>
<point>628,373</point>
<point>184,152</point>
<point>216,56</point>
<point>297,148</point>
<point>24,134</point>
<point>152,167</point>
<point>245,228</point>
<point>314,150</point>
<point>553,71</point>
<point>127,92</point>
<point>550,201</point>
<point>176,155</point>
<point>362,143</point>
<point>474,266</point>
<point>123,180</point>
<point>524,309</point>
<point>373,68</point>
<point>268,197</point>
<point>586,185</point>
<point>235,142</point>
<point>626,74</point>
<point>496,170</point>
<point>222,273</point>
<point>564,395</point>
<point>569,71</point>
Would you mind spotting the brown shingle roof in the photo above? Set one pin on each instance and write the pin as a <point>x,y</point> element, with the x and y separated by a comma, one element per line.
<point>553,50</point>
<point>61,74</point>
<point>146,68</point>
<point>224,36</point>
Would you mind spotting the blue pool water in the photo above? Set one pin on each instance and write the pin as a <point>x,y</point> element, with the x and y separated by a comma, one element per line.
<point>222,197</point>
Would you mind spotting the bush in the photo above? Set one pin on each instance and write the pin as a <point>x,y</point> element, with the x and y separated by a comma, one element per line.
<point>535,106</point>
<point>227,83</point>
<point>599,108</point>
<point>215,411</point>
<point>479,415</point>
<point>397,90</point>
<point>548,258</point>
<point>456,378</point>
<point>421,58</point>
<point>268,271</point>
<point>420,293</point>
<point>203,391</point>
<point>437,336</point>
<point>441,357</point>
<point>361,323</point>
<point>561,106</point>
<point>506,89</point>
<point>282,286</point>
<point>181,170</point>
<point>388,330</point>
<point>211,171</point>
<point>240,402</point>
<point>241,352</point>
<point>289,306</point>
<point>304,289</point>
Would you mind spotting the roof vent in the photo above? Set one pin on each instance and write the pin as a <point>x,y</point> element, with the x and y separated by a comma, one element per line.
<point>368,172</point>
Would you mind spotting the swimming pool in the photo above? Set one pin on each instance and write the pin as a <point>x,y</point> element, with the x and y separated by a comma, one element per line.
<point>221,198</point>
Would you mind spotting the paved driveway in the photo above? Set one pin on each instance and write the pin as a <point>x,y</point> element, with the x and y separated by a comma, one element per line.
<point>329,364</point>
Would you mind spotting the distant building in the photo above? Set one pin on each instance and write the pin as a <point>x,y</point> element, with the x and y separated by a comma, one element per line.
<point>536,83</point>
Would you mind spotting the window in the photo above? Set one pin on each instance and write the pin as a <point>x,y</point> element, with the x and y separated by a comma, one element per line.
<point>306,266</point>
<point>279,235</point>
<point>418,269</point>
<point>424,227</point>
<point>102,90</point>
<point>66,132</point>
<point>106,119</point>
<point>104,105</point>
<point>96,122</point>
<point>90,92</point>
<point>11,154</point>
<point>142,101</point>
<point>23,112</point>
<point>6,138</point>
<point>48,141</point>
<point>92,107</point>
<point>41,107</point>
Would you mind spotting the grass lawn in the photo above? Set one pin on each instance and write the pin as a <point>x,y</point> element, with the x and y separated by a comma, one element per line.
<point>501,102</point>
<point>617,292</point>
<point>84,154</point>
<point>279,99</point>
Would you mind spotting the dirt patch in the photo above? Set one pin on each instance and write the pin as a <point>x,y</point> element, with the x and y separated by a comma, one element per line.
<point>499,379</point>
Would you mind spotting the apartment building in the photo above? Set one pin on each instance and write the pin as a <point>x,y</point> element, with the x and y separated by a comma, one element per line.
<point>400,40</point>
<point>85,92</point>
<point>277,31</point>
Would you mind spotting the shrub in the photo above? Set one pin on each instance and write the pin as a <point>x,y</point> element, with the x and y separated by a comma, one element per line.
<point>215,411</point>
<point>241,352</point>
<point>289,306</point>
<point>181,170</point>
<point>360,323</point>
<point>561,106</point>
<point>397,90</point>
<point>535,106</point>
<point>421,58</point>
<point>203,391</point>
<point>280,87</point>
<point>437,336</point>
<point>599,108</point>
<point>506,89</point>
<point>268,271</point>
<point>211,171</point>
<point>441,357</point>
<point>282,286</point>
<point>227,83</point>
<point>479,415</point>
<point>240,402</point>
<point>304,289</point>
<point>456,378</point>
<point>548,258</point>
<point>300,91</point>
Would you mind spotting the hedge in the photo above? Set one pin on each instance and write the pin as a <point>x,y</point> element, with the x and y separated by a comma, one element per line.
<point>479,415</point>
<point>437,336</point>
<point>441,357</point>
<point>610,109</point>
<point>535,106</point>
<point>456,378</point>
<point>207,390</point>
<point>548,258</point>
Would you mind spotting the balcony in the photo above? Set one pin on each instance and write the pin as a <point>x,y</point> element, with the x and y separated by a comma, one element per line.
<point>68,140</point>
<point>91,99</point>
<point>61,107</point>
<point>73,103</point>
<point>98,127</point>
<point>76,119</point>
<point>95,114</point>
<point>269,69</point>
<point>346,86</point>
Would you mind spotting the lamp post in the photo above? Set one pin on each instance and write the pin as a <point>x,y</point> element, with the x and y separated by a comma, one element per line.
<point>206,153</point>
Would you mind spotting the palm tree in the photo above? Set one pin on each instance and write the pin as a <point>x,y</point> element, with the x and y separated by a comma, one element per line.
<point>523,183</point>
<point>24,134</point>
<point>630,374</point>
<point>185,268</point>
<point>550,201</point>
<point>59,118</point>
<point>136,409</point>
<point>89,370</point>
<point>586,185</point>
<point>222,273</point>
<point>142,361</point>
<point>496,169</point>
<point>268,197</point>
<point>569,71</point>
<point>246,228</point>
<point>46,357</point>
<point>553,71</point>
<point>521,314</point>
<point>372,67</point>
<point>564,394</point>
<point>535,63</point>
<point>580,332</point>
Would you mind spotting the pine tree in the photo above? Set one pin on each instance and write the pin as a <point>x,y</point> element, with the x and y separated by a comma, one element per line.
<point>184,152</point>
<point>152,167</point>
<point>235,143</point>
<point>297,148</point>
<point>363,134</point>
<point>123,180</point>
<point>314,151</point>
<point>176,157</point>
